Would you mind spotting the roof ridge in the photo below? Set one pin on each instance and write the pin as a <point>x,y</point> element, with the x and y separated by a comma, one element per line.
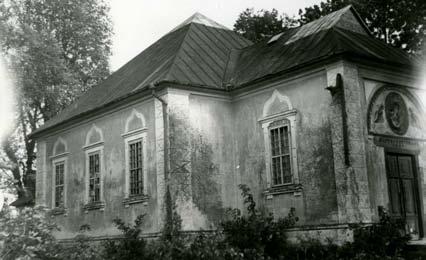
<point>199,18</point>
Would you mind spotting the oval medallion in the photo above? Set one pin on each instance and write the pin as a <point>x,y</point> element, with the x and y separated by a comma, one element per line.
<point>396,113</point>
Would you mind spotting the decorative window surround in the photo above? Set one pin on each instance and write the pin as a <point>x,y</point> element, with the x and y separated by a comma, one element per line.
<point>136,199</point>
<point>134,114</point>
<point>59,159</point>
<point>90,149</point>
<point>53,157</point>
<point>60,143</point>
<point>132,136</point>
<point>134,132</point>
<point>59,156</point>
<point>295,189</point>
<point>289,117</point>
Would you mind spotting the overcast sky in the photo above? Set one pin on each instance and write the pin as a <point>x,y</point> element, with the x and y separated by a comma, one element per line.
<point>139,23</point>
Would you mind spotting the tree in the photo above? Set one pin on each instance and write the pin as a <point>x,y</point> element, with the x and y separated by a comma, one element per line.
<point>260,25</point>
<point>56,50</point>
<point>396,22</point>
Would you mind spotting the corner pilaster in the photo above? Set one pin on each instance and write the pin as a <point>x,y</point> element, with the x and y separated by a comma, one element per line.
<point>41,178</point>
<point>352,190</point>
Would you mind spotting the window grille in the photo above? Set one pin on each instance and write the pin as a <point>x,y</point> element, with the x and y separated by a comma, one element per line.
<point>94,178</point>
<point>280,155</point>
<point>59,184</point>
<point>136,168</point>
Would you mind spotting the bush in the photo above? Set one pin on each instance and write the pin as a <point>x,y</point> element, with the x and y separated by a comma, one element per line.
<point>27,235</point>
<point>82,249</point>
<point>256,235</point>
<point>131,246</point>
<point>384,239</point>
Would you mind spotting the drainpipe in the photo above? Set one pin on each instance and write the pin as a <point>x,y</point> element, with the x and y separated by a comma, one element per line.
<point>334,90</point>
<point>167,198</point>
<point>165,130</point>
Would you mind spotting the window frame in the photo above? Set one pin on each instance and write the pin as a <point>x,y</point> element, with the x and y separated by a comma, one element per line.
<point>55,161</point>
<point>97,148</point>
<point>129,155</point>
<point>280,124</point>
<point>131,138</point>
<point>94,175</point>
<point>286,118</point>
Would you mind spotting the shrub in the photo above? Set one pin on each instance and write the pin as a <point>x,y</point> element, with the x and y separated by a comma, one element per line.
<point>386,238</point>
<point>82,249</point>
<point>256,235</point>
<point>27,235</point>
<point>131,246</point>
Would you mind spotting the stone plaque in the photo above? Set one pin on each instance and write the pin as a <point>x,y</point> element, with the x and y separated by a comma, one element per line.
<point>396,143</point>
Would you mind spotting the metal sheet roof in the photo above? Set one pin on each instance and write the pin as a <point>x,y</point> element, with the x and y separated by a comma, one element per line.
<point>202,53</point>
<point>194,54</point>
<point>263,60</point>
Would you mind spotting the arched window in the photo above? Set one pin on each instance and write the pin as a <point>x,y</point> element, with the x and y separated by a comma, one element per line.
<point>135,159</point>
<point>59,175</point>
<point>94,175</point>
<point>279,129</point>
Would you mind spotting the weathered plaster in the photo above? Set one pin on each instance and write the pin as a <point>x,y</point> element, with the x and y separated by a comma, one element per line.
<point>351,180</point>
<point>108,129</point>
<point>214,143</point>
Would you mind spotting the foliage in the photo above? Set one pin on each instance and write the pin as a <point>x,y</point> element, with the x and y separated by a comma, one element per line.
<point>256,234</point>
<point>383,240</point>
<point>81,249</point>
<point>386,238</point>
<point>131,246</point>
<point>399,23</point>
<point>27,234</point>
<point>55,50</point>
<point>263,24</point>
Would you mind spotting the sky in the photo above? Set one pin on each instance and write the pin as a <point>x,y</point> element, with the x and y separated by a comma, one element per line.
<point>139,23</point>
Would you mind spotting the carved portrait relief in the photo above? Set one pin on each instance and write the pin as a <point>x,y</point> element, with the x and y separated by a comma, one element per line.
<point>395,111</point>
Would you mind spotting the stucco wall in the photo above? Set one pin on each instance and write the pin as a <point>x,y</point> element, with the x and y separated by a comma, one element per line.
<point>316,204</point>
<point>216,142</point>
<point>214,182</point>
<point>112,126</point>
<point>230,140</point>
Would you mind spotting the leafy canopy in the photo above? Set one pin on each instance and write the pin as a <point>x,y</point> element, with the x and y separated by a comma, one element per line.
<point>263,24</point>
<point>55,50</point>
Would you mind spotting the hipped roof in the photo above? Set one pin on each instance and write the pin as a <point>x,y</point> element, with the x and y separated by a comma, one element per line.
<point>204,54</point>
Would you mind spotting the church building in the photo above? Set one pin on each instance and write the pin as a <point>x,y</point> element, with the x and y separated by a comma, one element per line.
<point>323,120</point>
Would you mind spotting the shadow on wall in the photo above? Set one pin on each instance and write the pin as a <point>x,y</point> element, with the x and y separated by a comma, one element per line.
<point>317,175</point>
<point>205,180</point>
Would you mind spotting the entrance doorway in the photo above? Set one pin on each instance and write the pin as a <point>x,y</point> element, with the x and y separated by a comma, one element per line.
<point>403,191</point>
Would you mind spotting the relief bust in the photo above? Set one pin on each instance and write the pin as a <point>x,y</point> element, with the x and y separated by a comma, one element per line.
<point>396,113</point>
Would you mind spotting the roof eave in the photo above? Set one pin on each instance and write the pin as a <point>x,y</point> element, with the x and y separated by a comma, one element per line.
<point>354,57</point>
<point>141,92</point>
